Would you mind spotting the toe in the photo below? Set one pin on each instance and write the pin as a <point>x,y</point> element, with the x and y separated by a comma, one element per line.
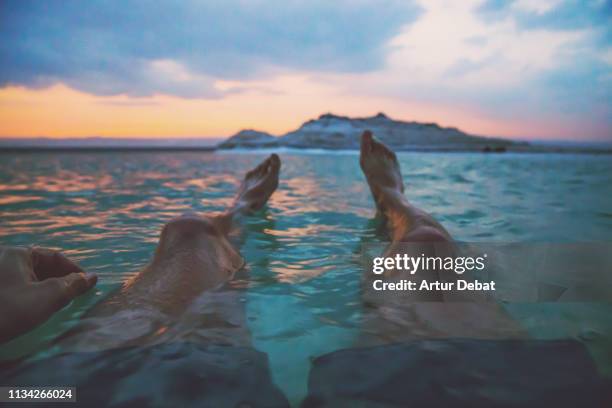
<point>388,152</point>
<point>366,148</point>
<point>366,142</point>
<point>275,162</point>
<point>265,166</point>
<point>380,148</point>
<point>262,168</point>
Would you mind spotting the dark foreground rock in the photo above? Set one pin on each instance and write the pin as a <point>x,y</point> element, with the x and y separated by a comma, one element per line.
<point>459,373</point>
<point>168,375</point>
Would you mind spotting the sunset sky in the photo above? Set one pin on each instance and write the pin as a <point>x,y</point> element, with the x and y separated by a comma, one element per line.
<point>533,69</point>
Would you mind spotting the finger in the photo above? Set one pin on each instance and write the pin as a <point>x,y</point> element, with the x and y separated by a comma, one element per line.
<point>75,284</point>
<point>48,263</point>
<point>55,293</point>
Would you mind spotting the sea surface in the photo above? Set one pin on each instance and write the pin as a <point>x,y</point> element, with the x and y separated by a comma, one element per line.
<point>106,209</point>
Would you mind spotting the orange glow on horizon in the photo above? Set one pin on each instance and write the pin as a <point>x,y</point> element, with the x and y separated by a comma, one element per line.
<point>276,106</point>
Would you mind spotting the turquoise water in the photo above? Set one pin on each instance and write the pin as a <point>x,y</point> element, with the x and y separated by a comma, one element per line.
<point>105,210</point>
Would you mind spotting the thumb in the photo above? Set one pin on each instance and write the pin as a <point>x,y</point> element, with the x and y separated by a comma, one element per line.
<point>40,300</point>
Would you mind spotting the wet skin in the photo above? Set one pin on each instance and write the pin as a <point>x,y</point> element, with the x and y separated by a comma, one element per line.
<point>177,295</point>
<point>391,317</point>
<point>36,282</point>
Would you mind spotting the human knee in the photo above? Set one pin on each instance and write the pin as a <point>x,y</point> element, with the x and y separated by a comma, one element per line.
<point>426,234</point>
<point>188,228</point>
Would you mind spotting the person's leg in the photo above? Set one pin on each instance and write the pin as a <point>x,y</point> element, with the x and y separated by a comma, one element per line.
<point>394,316</point>
<point>194,255</point>
<point>405,222</point>
<point>429,350</point>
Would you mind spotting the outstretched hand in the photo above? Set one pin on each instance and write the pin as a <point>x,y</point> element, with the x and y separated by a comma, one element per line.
<point>34,284</point>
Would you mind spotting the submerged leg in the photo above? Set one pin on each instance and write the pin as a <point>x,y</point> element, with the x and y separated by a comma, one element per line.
<point>417,314</point>
<point>408,228</point>
<point>174,297</point>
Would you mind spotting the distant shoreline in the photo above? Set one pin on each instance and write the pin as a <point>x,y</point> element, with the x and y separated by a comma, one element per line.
<point>101,149</point>
<point>326,133</point>
<point>212,149</point>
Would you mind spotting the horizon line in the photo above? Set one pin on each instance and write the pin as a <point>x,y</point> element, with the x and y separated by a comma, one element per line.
<point>144,138</point>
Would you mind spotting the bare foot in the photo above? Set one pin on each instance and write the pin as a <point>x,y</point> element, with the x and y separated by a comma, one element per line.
<point>258,185</point>
<point>406,223</point>
<point>381,169</point>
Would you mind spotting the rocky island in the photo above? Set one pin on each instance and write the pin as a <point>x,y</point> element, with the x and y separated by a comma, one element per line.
<point>341,132</point>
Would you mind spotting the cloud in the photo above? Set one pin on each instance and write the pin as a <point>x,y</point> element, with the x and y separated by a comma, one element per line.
<point>141,48</point>
<point>451,47</point>
<point>554,14</point>
<point>497,67</point>
<point>578,83</point>
<point>513,61</point>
